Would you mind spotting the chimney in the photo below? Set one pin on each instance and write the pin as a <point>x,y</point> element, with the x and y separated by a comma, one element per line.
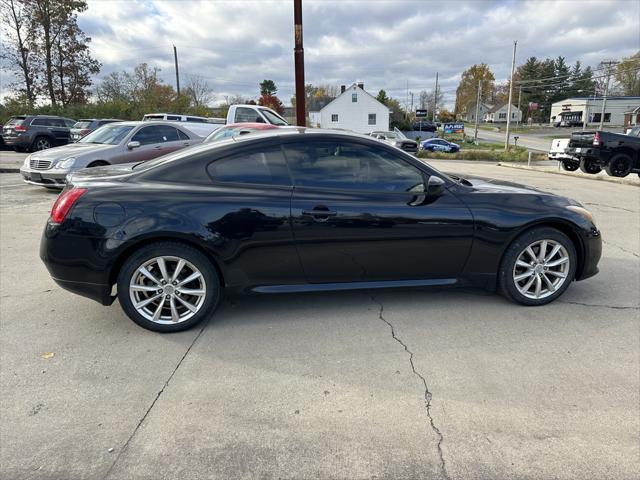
<point>342,88</point>
<point>361,85</point>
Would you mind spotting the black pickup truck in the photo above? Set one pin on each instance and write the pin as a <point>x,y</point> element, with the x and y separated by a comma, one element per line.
<point>616,153</point>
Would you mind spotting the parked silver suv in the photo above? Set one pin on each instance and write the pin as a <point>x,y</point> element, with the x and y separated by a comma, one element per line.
<point>36,132</point>
<point>122,142</point>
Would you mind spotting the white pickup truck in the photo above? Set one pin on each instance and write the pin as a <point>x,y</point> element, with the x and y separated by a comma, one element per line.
<point>203,126</point>
<point>558,145</point>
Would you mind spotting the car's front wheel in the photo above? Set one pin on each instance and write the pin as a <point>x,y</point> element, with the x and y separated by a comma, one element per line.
<point>538,267</point>
<point>168,287</point>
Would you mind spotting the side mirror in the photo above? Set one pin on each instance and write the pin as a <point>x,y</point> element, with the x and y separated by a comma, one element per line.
<point>435,186</point>
<point>132,145</point>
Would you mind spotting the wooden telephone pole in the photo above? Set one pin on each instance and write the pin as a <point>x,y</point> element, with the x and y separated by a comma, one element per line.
<point>301,115</point>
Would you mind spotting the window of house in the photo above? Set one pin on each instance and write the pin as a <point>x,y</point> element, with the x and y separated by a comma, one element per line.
<point>372,119</point>
<point>502,115</point>
<point>595,117</point>
<point>354,97</point>
<point>513,115</point>
<point>334,117</point>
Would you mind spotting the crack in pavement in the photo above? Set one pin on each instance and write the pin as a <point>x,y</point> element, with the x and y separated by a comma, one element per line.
<point>610,206</point>
<point>621,248</point>
<point>614,307</point>
<point>146,414</point>
<point>427,393</point>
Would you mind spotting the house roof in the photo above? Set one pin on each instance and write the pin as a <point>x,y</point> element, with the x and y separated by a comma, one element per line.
<point>347,90</point>
<point>497,107</point>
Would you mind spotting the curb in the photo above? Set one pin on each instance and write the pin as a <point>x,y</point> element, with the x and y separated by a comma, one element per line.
<point>602,178</point>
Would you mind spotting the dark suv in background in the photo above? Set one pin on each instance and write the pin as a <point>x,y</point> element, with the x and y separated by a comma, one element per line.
<point>36,132</point>
<point>85,126</point>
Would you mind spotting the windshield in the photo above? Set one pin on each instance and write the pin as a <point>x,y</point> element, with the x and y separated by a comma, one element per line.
<point>399,133</point>
<point>273,118</point>
<point>82,124</point>
<point>220,134</point>
<point>108,134</point>
<point>388,134</point>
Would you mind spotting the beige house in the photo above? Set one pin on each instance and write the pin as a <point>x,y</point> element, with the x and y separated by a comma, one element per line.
<point>498,114</point>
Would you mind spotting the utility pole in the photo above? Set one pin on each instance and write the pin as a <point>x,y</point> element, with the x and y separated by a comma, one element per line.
<point>475,134</point>
<point>175,58</point>
<point>519,114</point>
<point>609,64</point>
<point>301,115</point>
<point>513,66</point>
<point>411,109</point>
<point>435,100</point>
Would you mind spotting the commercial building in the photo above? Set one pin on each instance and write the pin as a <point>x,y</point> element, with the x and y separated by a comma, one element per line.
<point>575,110</point>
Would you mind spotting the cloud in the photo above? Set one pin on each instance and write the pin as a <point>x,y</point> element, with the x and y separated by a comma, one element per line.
<point>237,44</point>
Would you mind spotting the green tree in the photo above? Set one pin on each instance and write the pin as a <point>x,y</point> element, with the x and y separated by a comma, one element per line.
<point>268,87</point>
<point>382,97</point>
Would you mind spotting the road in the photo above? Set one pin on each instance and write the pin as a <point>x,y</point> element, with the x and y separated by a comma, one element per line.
<point>532,142</point>
<point>331,385</point>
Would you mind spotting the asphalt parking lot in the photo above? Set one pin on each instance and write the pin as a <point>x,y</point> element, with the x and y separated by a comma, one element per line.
<point>388,384</point>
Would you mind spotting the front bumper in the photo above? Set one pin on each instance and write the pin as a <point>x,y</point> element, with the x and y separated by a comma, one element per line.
<point>592,244</point>
<point>45,178</point>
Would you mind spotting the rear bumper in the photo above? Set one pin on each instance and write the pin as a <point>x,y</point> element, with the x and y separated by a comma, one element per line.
<point>17,141</point>
<point>95,291</point>
<point>588,152</point>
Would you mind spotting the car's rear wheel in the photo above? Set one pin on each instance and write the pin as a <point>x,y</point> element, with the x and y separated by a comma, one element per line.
<point>168,287</point>
<point>41,143</point>
<point>570,166</point>
<point>588,165</point>
<point>619,166</point>
<point>538,267</point>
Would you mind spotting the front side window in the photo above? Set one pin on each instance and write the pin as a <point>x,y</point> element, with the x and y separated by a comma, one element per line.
<point>247,115</point>
<point>372,119</point>
<point>351,166</point>
<point>265,166</point>
<point>148,135</point>
<point>334,117</point>
<point>111,134</point>
<point>354,97</point>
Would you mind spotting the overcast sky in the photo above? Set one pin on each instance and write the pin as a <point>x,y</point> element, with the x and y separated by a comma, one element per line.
<point>385,44</point>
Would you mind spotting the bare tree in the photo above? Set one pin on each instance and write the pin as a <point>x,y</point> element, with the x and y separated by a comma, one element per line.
<point>199,91</point>
<point>17,45</point>
<point>427,99</point>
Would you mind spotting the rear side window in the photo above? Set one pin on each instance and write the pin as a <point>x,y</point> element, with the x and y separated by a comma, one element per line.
<point>264,166</point>
<point>182,135</point>
<point>42,122</point>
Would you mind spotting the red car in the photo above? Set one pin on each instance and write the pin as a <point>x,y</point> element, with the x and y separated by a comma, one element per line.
<point>235,129</point>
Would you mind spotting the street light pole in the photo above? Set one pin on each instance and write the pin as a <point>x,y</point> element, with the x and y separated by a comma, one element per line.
<point>301,116</point>
<point>513,66</point>
<point>175,59</point>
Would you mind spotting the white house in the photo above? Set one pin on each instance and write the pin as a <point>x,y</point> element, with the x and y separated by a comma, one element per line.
<point>618,110</point>
<point>470,114</point>
<point>354,109</point>
<point>498,114</point>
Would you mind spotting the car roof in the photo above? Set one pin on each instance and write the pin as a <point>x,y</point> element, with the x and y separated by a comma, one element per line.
<point>147,123</point>
<point>256,125</point>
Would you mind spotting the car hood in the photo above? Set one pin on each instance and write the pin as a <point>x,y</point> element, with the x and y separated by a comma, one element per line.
<point>70,150</point>
<point>490,185</point>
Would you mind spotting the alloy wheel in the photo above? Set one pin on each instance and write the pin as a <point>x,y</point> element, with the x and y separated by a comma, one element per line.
<point>541,269</point>
<point>42,144</point>
<point>167,290</point>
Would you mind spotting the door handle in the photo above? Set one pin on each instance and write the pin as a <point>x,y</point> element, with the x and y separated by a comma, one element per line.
<point>320,213</point>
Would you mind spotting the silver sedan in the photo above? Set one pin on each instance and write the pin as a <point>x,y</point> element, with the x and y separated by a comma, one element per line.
<point>111,144</point>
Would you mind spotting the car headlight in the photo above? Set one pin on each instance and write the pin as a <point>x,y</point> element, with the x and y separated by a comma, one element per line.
<point>66,163</point>
<point>583,212</point>
<point>27,161</point>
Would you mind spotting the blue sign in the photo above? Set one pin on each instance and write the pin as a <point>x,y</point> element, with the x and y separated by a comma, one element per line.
<point>453,128</point>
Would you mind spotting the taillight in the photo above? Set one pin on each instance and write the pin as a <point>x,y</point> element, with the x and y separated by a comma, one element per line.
<point>20,128</point>
<point>63,204</point>
<point>84,131</point>
<point>596,139</point>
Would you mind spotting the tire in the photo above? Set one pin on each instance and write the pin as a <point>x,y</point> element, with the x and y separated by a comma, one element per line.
<point>570,166</point>
<point>520,290</point>
<point>40,143</point>
<point>207,286</point>
<point>589,166</point>
<point>619,166</point>
<point>97,163</point>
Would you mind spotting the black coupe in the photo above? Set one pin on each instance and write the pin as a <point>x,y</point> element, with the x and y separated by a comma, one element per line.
<point>303,210</point>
